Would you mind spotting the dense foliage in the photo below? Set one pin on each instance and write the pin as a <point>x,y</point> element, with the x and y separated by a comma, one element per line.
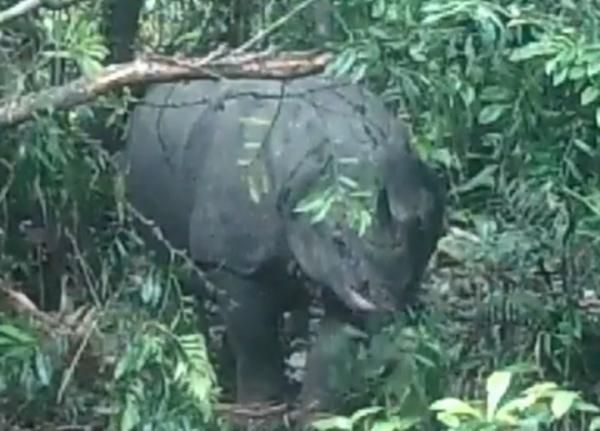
<point>503,97</point>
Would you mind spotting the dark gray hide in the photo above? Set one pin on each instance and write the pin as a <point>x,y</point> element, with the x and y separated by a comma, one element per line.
<point>187,145</point>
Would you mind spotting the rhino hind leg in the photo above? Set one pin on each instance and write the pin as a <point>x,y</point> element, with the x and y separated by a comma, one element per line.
<point>252,316</point>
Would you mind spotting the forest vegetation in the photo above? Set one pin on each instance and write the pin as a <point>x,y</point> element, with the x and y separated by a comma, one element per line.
<point>502,98</point>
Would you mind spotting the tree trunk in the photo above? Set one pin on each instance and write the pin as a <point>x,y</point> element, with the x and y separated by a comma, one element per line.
<point>120,27</point>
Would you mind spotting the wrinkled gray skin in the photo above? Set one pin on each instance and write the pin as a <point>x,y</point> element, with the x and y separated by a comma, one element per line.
<point>184,147</point>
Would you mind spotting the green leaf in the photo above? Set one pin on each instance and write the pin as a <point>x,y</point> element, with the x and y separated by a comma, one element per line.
<point>333,423</point>
<point>496,386</point>
<point>495,93</point>
<point>534,49</point>
<point>595,424</point>
<point>43,368</point>
<point>562,403</point>
<point>455,406</point>
<point>491,113</point>
<point>468,95</point>
<point>396,424</point>
<point>323,211</point>
<point>589,95</point>
<point>450,420</point>
<point>347,181</point>
<point>541,389</point>
<point>416,53</point>
<point>130,417</point>
<point>560,77</point>
<point>367,411</point>
<point>598,117</point>
<point>485,178</point>
<point>593,68</point>
<point>15,335</point>
<point>583,406</point>
<point>577,72</point>
<point>306,206</point>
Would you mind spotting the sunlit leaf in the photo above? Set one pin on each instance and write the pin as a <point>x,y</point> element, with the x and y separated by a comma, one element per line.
<point>527,52</point>
<point>455,406</point>
<point>496,386</point>
<point>560,77</point>
<point>333,423</point>
<point>491,113</point>
<point>562,402</point>
<point>589,95</point>
<point>449,419</point>
<point>594,424</point>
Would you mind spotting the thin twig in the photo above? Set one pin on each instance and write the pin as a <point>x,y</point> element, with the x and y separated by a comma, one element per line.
<point>69,372</point>
<point>261,35</point>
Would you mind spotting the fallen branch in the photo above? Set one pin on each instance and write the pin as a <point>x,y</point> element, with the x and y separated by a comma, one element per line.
<point>155,68</point>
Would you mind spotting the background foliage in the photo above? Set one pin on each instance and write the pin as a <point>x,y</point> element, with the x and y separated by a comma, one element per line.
<point>503,97</point>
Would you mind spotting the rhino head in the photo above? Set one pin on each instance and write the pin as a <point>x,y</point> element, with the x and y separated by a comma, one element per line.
<point>380,270</point>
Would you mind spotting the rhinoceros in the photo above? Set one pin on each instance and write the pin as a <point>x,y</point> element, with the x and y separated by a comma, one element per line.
<point>225,167</point>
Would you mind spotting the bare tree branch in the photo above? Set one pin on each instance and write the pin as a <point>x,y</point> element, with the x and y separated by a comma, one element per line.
<point>160,69</point>
<point>26,6</point>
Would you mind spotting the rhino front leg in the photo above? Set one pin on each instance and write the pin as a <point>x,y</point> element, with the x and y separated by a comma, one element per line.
<point>329,369</point>
<point>251,315</point>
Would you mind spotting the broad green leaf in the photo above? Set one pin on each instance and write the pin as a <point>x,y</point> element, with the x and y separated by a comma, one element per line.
<point>551,65</point>
<point>491,113</point>
<point>541,389</point>
<point>130,416</point>
<point>496,386</point>
<point>333,423</point>
<point>384,426</point>
<point>583,406</point>
<point>595,424</point>
<point>560,77</point>
<point>589,95</point>
<point>396,424</point>
<point>593,68</point>
<point>456,407</point>
<point>534,49</point>
<point>562,403</point>
<point>416,53</point>
<point>495,93</point>
<point>577,72</point>
<point>449,419</point>
<point>378,9</point>
<point>468,95</point>
<point>367,411</point>
<point>598,117</point>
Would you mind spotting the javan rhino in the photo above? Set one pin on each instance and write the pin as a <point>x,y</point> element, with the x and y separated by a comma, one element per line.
<point>223,166</point>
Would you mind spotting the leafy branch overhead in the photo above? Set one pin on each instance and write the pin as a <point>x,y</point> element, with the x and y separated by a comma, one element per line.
<point>153,68</point>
